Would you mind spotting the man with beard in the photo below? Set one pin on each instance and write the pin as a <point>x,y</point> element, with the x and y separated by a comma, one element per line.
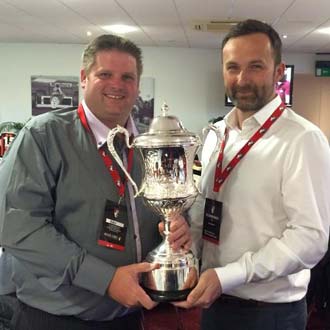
<point>265,211</point>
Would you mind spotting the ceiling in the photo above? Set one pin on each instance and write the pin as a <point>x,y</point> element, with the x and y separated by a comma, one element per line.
<point>162,23</point>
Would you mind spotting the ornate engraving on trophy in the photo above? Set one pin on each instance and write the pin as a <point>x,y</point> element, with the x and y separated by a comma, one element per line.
<point>166,172</point>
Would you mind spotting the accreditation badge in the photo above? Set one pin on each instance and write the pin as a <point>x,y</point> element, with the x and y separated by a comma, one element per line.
<point>114,226</point>
<point>212,220</point>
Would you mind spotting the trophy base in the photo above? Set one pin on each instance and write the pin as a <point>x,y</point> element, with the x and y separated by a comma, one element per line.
<point>175,276</point>
<point>167,296</point>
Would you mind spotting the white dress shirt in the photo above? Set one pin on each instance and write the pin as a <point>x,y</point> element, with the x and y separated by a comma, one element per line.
<point>276,207</point>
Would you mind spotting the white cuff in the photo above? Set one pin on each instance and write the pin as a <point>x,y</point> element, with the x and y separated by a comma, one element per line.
<point>231,276</point>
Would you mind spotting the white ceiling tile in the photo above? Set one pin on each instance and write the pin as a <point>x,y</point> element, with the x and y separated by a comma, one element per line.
<point>157,12</point>
<point>204,10</point>
<point>308,11</point>
<point>100,12</point>
<point>160,22</point>
<point>268,11</point>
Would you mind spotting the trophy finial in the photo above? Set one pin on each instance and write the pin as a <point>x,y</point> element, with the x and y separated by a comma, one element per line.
<point>164,109</point>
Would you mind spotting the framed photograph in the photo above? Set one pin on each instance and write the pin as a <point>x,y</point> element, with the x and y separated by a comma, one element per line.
<point>143,110</point>
<point>284,87</point>
<point>53,92</point>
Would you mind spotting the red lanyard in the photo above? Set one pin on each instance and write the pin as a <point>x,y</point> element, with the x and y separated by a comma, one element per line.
<point>220,176</point>
<point>120,184</point>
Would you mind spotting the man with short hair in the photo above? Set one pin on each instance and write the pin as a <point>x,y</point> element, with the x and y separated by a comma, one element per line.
<point>263,219</point>
<point>69,220</point>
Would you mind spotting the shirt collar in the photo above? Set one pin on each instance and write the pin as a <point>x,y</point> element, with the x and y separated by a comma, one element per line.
<point>262,115</point>
<point>259,117</point>
<point>101,131</point>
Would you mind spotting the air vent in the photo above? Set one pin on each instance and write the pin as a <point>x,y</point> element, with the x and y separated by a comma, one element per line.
<point>213,26</point>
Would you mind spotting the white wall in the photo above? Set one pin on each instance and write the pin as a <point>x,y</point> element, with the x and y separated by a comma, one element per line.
<point>304,63</point>
<point>18,62</point>
<point>188,79</point>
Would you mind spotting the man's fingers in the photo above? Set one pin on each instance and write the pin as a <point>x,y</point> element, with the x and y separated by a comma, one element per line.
<point>146,302</point>
<point>196,293</point>
<point>182,304</point>
<point>145,267</point>
<point>177,232</point>
<point>211,287</point>
<point>204,294</point>
<point>187,246</point>
<point>180,236</point>
<point>191,299</point>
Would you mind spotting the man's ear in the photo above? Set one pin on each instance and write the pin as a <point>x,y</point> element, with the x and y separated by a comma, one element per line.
<point>83,78</point>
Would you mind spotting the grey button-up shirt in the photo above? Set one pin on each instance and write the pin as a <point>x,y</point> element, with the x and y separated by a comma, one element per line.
<point>54,187</point>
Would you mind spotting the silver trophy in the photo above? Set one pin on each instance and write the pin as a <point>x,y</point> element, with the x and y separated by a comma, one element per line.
<point>168,152</point>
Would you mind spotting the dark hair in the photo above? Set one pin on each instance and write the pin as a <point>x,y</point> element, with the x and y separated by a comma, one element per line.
<point>251,26</point>
<point>109,42</point>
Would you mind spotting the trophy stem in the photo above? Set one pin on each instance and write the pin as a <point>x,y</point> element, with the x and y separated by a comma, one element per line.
<point>167,224</point>
<point>178,271</point>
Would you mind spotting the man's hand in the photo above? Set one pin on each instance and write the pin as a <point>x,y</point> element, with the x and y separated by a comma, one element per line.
<point>125,288</point>
<point>180,236</point>
<point>203,295</point>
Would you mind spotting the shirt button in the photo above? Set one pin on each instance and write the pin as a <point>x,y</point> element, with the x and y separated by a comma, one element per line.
<point>135,236</point>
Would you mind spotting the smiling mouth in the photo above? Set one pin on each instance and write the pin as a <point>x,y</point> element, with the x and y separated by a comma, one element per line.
<point>114,97</point>
<point>244,94</point>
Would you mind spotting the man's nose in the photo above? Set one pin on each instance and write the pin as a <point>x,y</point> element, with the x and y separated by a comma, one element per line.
<point>242,77</point>
<point>116,82</point>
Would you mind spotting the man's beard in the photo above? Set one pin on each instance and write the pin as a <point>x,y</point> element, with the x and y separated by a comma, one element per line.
<point>256,99</point>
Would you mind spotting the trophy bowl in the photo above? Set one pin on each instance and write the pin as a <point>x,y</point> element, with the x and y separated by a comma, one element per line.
<point>168,152</point>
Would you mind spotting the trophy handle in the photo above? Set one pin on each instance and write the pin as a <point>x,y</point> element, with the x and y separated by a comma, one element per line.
<point>216,130</point>
<point>111,136</point>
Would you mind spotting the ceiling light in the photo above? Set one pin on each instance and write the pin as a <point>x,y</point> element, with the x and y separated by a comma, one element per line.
<point>120,28</point>
<point>89,33</point>
<point>325,30</point>
<point>284,36</point>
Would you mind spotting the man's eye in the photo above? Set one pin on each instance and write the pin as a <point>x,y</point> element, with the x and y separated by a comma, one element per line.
<point>256,66</point>
<point>128,77</point>
<point>104,75</point>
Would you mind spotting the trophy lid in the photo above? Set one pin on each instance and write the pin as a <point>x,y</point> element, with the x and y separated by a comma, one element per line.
<point>165,131</point>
